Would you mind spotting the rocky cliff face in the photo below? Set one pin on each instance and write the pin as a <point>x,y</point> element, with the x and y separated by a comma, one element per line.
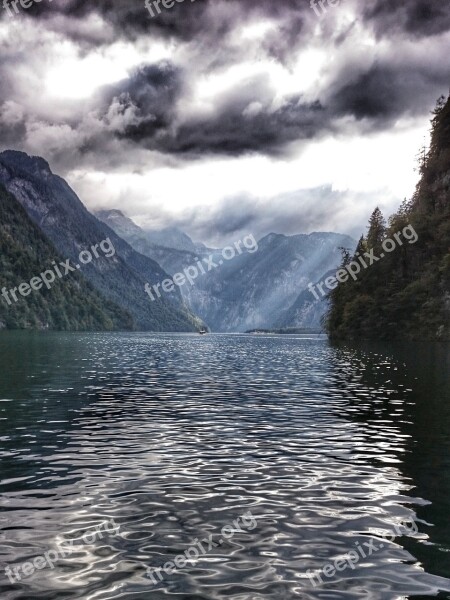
<point>58,212</point>
<point>69,304</point>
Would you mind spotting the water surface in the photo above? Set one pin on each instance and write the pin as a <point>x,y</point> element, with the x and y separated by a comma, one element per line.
<point>175,436</point>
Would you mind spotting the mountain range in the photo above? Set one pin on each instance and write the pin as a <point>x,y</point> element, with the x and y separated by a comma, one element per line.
<point>262,289</point>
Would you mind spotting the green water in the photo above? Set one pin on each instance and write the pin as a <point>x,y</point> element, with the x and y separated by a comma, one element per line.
<point>175,436</point>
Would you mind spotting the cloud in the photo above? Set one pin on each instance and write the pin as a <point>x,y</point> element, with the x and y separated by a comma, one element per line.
<point>159,106</point>
<point>149,95</point>
<point>102,90</point>
<point>305,211</point>
<point>416,18</point>
<point>385,92</point>
<point>236,129</point>
<point>125,19</point>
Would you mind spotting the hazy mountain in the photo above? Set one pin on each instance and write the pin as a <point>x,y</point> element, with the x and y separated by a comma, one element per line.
<point>307,310</point>
<point>170,259</point>
<point>70,304</point>
<point>56,209</point>
<point>171,237</point>
<point>262,289</point>
<point>254,290</point>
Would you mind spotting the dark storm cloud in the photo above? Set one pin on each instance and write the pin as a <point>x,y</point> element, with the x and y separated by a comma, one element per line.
<point>146,111</point>
<point>244,121</point>
<point>231,132</point>
<point>128,18</point>
<point>418,18</point>
<point>234,132</point>
<point>185,20</point>
<point>10,132</point>
<point>241,122</point>
<point>213,20</point>
<point>385,92</point>
<point>152,91</point>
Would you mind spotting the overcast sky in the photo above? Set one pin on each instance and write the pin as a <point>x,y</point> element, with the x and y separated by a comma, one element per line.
<point>225,117</point>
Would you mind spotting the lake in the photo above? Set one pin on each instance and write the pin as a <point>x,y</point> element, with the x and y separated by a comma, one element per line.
<point>327,466</point>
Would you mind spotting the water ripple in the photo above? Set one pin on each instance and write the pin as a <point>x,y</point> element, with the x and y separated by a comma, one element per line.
<point>176,436</point>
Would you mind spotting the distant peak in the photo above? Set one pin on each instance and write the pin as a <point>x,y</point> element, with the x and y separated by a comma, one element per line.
<point>271,237</point>
<point>22,160</point>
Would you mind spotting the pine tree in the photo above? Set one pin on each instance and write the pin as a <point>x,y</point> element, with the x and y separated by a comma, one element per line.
<point>405,296</point>
<point>361,247</point>
<point>376,230</point>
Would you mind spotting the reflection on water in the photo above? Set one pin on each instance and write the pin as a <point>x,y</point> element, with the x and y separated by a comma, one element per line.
<point>175,436</point>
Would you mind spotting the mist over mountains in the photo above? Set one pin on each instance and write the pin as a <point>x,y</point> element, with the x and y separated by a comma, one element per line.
<point>257,290</point>
<point>260,289</point>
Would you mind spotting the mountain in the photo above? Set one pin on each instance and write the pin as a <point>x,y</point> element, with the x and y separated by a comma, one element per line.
<point>70,304</point>
<point>171,259</point>
<point>307,310</point>
<point>58,212</point>
<point>406,295</point>
<point>255,290</point>
<point>171,237</point>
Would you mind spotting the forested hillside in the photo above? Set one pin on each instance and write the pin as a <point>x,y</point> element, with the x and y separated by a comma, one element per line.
<point>55,208</point>
<point>407,293</point>
<point>70,304</point>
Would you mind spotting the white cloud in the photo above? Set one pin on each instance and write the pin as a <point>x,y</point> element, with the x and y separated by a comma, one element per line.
<point>52,82</point>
